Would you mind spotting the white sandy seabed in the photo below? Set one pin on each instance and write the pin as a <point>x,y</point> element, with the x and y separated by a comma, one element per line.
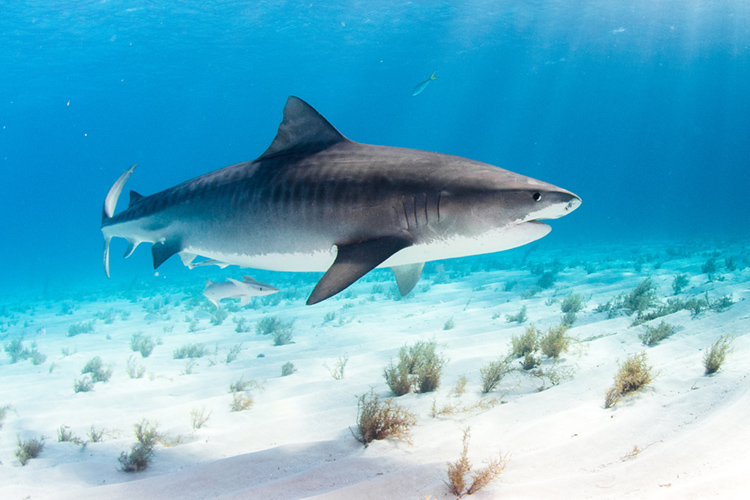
<point>686,435</point>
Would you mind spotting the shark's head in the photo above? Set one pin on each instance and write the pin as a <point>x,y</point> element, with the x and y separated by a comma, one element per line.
<point>541,201</point>
<point>499,209</point>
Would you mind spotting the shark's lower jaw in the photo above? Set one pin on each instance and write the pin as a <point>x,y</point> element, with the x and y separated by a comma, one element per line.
<point>319,261</point>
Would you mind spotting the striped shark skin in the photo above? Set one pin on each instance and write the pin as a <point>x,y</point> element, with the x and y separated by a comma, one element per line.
<point>317,201</point>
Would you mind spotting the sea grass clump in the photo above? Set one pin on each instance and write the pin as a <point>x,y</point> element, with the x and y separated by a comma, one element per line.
<point>632,375</point>
<point>419,368</point>
<point>381,419</point>
<point>96,368</point>
<point>141,453</point>
<point>493,373</point>
<point>526,343</point>
<point>142,343</point>
<point>716,354</point>
<point>555,341</point>
<point>458,470</point>
<point>28,449</point>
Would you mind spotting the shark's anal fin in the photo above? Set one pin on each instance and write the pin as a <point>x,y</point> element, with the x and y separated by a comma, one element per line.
<point>354,261</point>
<point>407,276</point>
<point>162,250</point>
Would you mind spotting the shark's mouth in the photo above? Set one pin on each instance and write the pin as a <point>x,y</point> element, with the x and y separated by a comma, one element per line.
<point>554,211</point>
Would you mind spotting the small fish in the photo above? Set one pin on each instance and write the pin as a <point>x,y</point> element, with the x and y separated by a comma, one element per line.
<point>215,291</point>
<point>419,88</point>
<point>618,30</point>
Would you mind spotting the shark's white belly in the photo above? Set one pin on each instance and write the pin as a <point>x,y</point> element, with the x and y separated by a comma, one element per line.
<point>492,241</point>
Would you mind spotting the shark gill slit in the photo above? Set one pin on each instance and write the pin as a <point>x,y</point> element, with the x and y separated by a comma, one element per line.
<point>416,214</point>
<point>437,205</point>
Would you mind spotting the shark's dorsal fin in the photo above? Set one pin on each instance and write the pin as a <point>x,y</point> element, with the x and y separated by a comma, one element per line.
<point>303,131</point>
<point>134,198</point>
<point>354,261</point>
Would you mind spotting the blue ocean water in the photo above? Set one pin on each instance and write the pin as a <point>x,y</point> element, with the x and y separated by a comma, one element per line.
<point>641,108</point>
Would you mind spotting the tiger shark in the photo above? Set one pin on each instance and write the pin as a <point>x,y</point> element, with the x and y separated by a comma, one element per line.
<point>317,201</point>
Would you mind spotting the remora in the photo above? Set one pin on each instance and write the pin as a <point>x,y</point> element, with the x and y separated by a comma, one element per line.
<point>317,201</point>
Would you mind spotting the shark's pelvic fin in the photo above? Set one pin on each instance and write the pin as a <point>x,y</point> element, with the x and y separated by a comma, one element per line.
<point>132,244</point>
<point>162,250</point>
<point>407,276</point>
<point>354,261</point>
<point>303,131</point>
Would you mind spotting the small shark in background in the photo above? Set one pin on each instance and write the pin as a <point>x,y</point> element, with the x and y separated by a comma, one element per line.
<point>316,201</point>
<point>420,88</point>
<point>243,290</point>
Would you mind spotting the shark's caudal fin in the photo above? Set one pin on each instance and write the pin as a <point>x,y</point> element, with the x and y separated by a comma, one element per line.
<point>303,131</point>
<point>110,202</point>
<point>354,261</point>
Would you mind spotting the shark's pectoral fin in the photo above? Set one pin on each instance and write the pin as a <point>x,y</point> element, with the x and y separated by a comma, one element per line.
<point>354,261</point>
<point>162,250</point>
<point>407,276</point>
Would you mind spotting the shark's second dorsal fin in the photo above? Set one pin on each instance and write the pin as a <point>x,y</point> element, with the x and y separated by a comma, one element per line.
<point>303,131</point>
<point>134,198</point>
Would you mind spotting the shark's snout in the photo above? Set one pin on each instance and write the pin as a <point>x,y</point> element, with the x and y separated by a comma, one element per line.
<point>574,203</point>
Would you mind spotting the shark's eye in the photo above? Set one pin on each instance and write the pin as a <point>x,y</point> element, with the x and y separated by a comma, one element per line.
<point>536,196</point>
